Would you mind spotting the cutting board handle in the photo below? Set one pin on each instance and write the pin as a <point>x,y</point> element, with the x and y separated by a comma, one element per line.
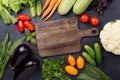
<point>89,32</point>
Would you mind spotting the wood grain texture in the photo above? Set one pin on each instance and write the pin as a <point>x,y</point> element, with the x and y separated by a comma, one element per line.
<point>60,36</point>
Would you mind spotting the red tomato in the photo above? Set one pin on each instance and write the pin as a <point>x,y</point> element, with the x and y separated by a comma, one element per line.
<point>29,25</point>
<point>24,17</point>
<point>20,26</point>
<point>84,18</point>
<point>94,21</point>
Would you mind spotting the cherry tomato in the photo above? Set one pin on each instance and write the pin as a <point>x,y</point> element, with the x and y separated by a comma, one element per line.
<point>94,21</point>
<point>84,18</point>
<point>29,25</point>
<point>24,17</point>
<point>71,70</point>
<point>80,62</point>
<point>71,60</point>
<point>20,26</point>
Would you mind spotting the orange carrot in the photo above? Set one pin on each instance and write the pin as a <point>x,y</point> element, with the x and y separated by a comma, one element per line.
<point>50,7</point>
<point>54,9</point>
<point>47,2</point>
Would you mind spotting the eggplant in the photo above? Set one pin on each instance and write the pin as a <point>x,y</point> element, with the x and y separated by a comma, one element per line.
<point>26,69</point>
<point>20,54</point>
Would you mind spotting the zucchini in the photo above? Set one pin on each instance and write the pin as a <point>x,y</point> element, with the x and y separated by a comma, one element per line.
<point>65,6</point>
<point>80,6</point>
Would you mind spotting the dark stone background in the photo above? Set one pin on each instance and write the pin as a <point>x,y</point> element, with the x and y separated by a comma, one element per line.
<point>111,63</point>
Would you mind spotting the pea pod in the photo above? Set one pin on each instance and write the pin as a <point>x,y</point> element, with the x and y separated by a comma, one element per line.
<point>80,6</point>
<point>65,6</point>
<point>38,7</point>
<point>90,51</point>
<point>88,58</point>
<point>98,52</point>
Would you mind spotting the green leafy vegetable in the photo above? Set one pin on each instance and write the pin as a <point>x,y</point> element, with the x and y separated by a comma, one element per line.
<point>7,17</point>
<point>6,51</point>
<point>9,6</point>
<point>93,73</point>
<point>53,70</point>
<point>31,37</point>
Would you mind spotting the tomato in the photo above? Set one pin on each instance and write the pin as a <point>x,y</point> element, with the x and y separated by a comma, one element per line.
<point>84,18</point>
<point>71,60</point>
<point>94,21</point>
<point>71,70</point>
<point>24,17</point>
<point>80,62</point>
<point>20,26</point>
<point>29,25</point>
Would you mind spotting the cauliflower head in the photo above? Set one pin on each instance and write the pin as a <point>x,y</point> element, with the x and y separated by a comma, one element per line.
<point>110,37</point>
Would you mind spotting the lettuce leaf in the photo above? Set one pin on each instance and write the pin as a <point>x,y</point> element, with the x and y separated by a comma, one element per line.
<point>9,6</point>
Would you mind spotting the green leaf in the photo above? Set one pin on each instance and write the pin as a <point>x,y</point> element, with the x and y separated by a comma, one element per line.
<point>15,6</point>
<point>54,71</point>
<point>15,44</point>
<point>33,41</point>
<point>7,17</point>
<point>27,31</point>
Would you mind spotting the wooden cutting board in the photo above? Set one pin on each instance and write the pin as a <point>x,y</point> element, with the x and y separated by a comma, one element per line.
<point>60,36</point>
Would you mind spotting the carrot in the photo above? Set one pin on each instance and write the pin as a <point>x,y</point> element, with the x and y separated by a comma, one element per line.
<point>50,7</point>
<point>54,9</point>
<point>47,2</point>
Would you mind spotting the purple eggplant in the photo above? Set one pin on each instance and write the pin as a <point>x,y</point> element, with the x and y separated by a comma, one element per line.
<point>20,54</point>
<point>26,69</point>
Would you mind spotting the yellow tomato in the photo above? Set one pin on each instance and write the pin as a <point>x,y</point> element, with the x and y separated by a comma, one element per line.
<point>80,62</point>
<point>71,70</point>
<point>71,60</point>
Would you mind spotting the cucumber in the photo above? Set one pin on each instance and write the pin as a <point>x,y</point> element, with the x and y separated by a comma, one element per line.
<point>80,6</point>
<point>88,58</point>
<point>90,51</point>
<point>65,6</point>
<point>38,7</point>
<point>33,9</point>
<point>98,51</point>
